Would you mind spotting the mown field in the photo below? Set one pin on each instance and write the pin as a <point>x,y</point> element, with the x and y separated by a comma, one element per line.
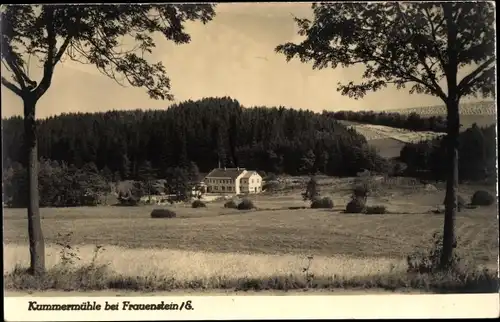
<point>467,110</point>
<point>218,243</point>
<point>389,141</point>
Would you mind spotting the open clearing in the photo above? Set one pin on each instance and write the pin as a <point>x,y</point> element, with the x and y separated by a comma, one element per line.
<point>215,242</point>
<point>482,108</point>
<point>389,140</point>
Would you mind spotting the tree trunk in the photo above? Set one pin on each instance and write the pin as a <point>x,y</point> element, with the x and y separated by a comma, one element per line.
<point>36,242</point>
<point>451,204</point>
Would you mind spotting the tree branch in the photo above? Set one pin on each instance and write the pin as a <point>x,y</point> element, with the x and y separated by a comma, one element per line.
<point>12,87</point>
<point>62,49</point>
<point>434,37</point>
<point>18,73</point>
<point>432,77</point>
<point>48,66</point>
<point>468,80</point>
<point>434,86</point>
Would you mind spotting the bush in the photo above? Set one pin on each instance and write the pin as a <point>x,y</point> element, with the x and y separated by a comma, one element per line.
<point>360,191</point>
<point>428,261</point>
<point>163,213</point>
<point>461,203</point>
<point>271,186</point>
<point>246,204</point>
<point>376,210</point>
<point>355,206</point>
<point>198,204</point>
<point>231,204</point>
<point>271,177</point>
<point>482,198</point>
<point>324,202</point>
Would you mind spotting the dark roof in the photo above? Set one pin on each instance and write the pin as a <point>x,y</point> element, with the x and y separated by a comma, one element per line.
<point>232,173</point>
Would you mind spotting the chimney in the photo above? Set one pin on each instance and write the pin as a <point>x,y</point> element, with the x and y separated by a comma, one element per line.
<point>238,168</point>
<point>224,168</point>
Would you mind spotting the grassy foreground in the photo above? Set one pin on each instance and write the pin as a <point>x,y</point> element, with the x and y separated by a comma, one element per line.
<point>150,270</point>
<point>272,248</point>
<point>320,232</point>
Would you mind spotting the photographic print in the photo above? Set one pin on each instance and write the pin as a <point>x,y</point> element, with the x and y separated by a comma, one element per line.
<point>249,160</point>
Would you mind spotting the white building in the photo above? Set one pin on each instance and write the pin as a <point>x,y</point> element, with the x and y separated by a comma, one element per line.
<point>251,182</point>
<point>233,181</point>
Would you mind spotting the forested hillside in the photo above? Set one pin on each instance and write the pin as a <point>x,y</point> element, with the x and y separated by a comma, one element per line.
<point>205,132</point>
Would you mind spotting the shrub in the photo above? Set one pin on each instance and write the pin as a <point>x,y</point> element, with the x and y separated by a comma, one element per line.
<point>461,203</point>
<point>355,206</point>
<point>271,177</point>
<point>271,186</point>
<point>246,204</point>
<point>376,210</point>
<point>361,191</point>
<point>231,204</point>
<point>482,198</point>
<point>324,202</point>
<point>198,204</point>
<point>163,213</point>
<point>312,190</point>
<point>428,261</point>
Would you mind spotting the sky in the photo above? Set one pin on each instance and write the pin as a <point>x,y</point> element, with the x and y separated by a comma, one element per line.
<point>233,55</point>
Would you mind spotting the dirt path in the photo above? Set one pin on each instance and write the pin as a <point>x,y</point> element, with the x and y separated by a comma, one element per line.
<point>106,293</point>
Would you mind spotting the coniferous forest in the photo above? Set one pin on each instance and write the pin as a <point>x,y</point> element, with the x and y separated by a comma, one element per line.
<point>204,132</point>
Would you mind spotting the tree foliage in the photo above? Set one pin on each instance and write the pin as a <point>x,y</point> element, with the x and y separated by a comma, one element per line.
<point>418,44</point>
<point>93,35</point>
<point>60,185</point>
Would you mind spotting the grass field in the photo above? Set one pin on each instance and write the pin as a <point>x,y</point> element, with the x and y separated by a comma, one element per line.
<point>482,108</point>
<point>211,245</point>
<point>389,141</point>
<point>387,148</point>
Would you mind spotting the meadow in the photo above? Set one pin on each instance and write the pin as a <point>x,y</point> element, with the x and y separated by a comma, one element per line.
<point>279,247</point>
<point>482,113</point>
<point>389,141</point>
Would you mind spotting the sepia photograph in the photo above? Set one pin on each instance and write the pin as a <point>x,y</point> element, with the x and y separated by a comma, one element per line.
<point>201,158</point>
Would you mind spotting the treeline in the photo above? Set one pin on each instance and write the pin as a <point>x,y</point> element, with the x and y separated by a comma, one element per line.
<point>204,132</point>
<point>477,156</point>
<point>60,185</point>
<point>412,121</point>
<point>63,185</point>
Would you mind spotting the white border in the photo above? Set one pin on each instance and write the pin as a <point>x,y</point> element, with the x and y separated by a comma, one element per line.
<point>267,307</point>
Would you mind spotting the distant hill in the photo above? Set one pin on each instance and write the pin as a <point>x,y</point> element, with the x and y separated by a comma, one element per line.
<point>389,140</point>
<point>475,108</point>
